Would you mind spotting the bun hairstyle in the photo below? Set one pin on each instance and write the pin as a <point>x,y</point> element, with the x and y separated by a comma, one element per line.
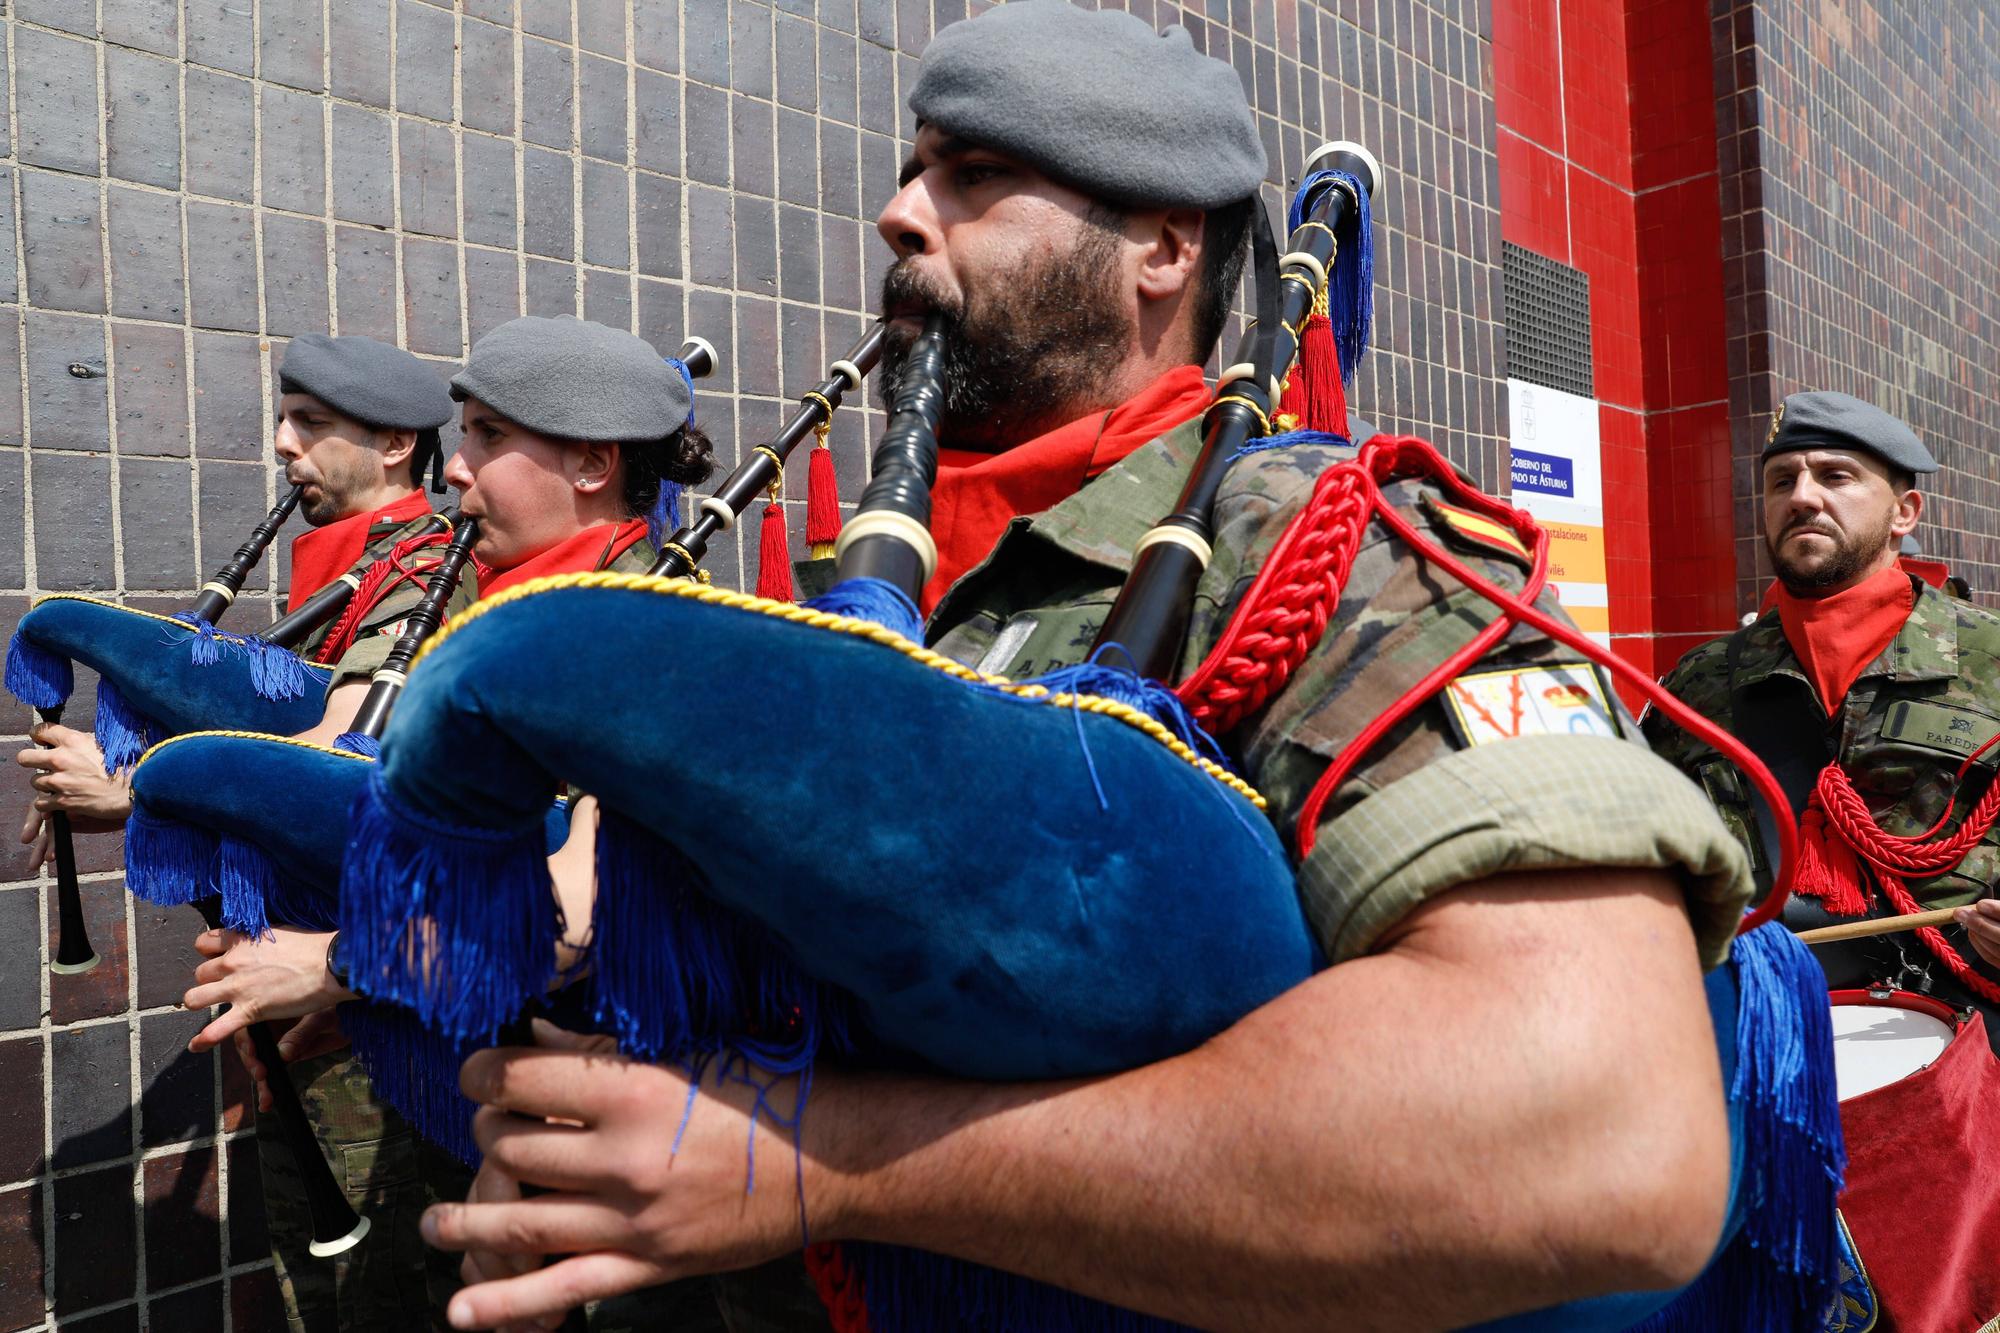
<point>685,458</point>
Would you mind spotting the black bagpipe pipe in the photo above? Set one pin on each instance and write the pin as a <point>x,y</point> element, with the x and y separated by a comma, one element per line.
<point>682,553</point>
<point>74,953</point>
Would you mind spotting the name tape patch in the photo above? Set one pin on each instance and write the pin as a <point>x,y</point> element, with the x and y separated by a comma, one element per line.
<point>1946,727</point>
<point>1564,699</point>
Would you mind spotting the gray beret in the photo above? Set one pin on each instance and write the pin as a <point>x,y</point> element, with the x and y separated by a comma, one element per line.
<point>1097,100</point>
<point>1841,421</point>
<point>576,380</point>
<point>371,381</point>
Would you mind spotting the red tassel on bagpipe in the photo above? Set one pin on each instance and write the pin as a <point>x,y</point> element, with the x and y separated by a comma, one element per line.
<point>822,502</point>
<point>382,577</point>
<point>1314,398</point>
<point>774,555</point>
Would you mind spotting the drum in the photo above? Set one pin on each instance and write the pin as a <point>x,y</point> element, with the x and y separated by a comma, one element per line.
<point>1918,1084</point>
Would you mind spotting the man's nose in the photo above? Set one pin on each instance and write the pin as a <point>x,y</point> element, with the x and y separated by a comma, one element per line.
<point>287,443</point>
<point>908,222</point>
<point>456,474</point>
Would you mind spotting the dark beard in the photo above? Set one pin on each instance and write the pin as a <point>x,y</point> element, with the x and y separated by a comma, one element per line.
<point>1025,357</point>
<point>1850,558</point>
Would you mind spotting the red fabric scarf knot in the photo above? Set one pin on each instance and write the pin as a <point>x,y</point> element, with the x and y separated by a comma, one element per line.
<point>1837,636</point>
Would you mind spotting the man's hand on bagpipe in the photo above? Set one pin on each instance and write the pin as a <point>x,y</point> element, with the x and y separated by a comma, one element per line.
<point>281,976</point>
<point>646,1168</point>
<point>69,775</point>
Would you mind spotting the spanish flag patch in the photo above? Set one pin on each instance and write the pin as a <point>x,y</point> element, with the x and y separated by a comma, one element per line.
<point>1479,531</point>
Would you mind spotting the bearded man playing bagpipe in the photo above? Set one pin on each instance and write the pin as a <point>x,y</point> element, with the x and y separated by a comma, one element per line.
<point>1448,1124</point>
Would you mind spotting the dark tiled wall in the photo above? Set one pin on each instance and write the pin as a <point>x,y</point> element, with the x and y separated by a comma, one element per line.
<point>1858,148</point>
<point>183,186</point>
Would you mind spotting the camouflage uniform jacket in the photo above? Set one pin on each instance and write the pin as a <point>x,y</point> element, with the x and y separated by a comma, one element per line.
<point>1426,811</point>
<point>1927,701</point>
<point>382,625</point>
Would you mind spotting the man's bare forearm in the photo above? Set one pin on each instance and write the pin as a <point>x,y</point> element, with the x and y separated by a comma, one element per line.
<point>1457,1128</point>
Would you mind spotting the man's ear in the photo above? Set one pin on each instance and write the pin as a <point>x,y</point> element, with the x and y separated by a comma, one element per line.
<point>397,446</point>
<point>1173,247</point>
<point>595,464</point>
<point>1909,508</point>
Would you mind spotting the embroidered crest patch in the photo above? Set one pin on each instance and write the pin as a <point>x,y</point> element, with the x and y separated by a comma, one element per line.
<point>1854,1308</point>
<point>1565,699</point>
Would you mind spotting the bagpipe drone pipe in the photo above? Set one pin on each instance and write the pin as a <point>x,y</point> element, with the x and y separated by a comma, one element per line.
<point>719,933</point>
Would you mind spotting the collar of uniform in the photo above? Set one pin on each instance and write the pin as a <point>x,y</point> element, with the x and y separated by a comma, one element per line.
<point>1099,525</point>
<point>1103,522</point>
<point>1926,648</point>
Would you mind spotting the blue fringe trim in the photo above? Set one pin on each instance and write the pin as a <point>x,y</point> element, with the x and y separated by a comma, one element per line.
<point>123,732</point>
<point>914,1291</point>
<point>1291,438</point>
<point>256,894</point>
<point>168,862</point>
<point>276,674</point>
<point>674,973</point>
<point>1350,288</point>
<point>1783,1269</point>
<point>1128,687</point>
<point>415,1070</point>
<point>874,600</point>
<point>359,742</point>
<point>459,924</point>
<point>36,676</point>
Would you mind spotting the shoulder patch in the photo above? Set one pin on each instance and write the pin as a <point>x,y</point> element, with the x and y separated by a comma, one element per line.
<point>1478,530</point>
<point>1552,699</point>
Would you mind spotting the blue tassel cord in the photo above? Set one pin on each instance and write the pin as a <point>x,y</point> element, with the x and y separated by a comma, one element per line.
<point>355,742</point>
<point>1350,288</point>
<point>1782,1270</point>
<point>123,732</point>
<point>672,973</point>
<point>458,924</point>
<point>873,600</point>
<point>276,674</point>
<point>167,862</point>
<point>415,1070</point>
<point>36,676</point>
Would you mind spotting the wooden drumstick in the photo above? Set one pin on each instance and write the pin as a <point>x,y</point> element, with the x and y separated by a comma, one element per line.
<point>1887,925</point>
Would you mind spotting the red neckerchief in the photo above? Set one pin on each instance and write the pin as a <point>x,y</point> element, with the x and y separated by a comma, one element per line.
<point>592,549</point>
<point>978,494</point>
<point>1835,637</point>
<point>321,555</point>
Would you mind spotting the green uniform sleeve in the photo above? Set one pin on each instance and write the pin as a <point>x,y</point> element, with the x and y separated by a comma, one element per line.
<point>1425,812</point>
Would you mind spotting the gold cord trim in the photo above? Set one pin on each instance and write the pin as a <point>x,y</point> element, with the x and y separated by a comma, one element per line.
<point>293,741</point>
<point>863,629</point>
<point>223,635</point>
<point>1262,420</point>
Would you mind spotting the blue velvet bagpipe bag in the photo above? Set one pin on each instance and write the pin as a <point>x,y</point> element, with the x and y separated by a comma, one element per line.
<point>160,676</point>
<point>1026,941</point>
<point>1002,886</point>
